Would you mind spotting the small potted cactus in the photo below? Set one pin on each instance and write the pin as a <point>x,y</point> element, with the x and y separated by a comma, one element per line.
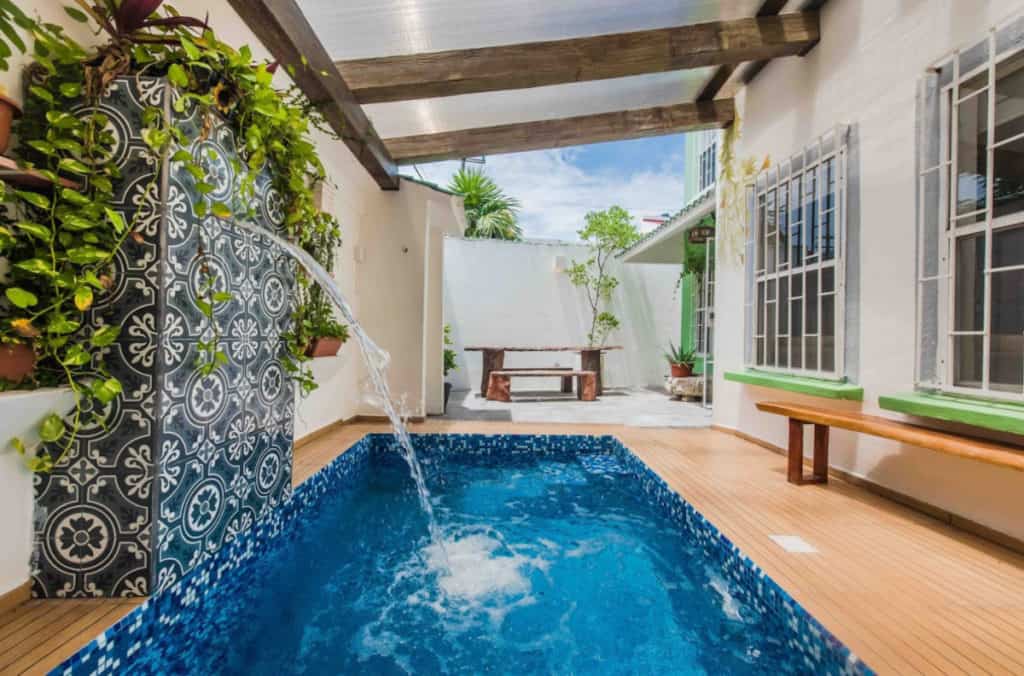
<point>680,360</point>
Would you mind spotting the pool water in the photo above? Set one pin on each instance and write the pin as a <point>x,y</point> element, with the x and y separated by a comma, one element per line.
<point>554,561</point>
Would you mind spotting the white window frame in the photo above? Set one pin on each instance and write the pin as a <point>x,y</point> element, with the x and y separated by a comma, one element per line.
<point>947,167</point>
<point>707,161</point>
<point>830,146</point>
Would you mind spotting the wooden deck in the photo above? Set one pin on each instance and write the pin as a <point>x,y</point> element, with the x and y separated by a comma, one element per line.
<point>904,591</point>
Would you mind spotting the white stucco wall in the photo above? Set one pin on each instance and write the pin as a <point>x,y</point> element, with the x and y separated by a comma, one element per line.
<point>386,290</point>
<point>510,293</point>
<point>865,73</point>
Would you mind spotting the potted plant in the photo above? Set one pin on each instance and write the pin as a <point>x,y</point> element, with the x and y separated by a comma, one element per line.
<point>680,360</point>
<point>17,361</point>
<point>9,109</point>
<point>329,335</point>
<point>449,362</point>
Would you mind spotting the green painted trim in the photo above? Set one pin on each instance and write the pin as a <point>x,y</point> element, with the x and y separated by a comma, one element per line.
<point>993,414</point>
<point>830,389</point>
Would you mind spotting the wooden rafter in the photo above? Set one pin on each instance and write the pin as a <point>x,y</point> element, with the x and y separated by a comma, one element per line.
<point>464,71</point>
<point>281,26</point>
<point>509,138</point>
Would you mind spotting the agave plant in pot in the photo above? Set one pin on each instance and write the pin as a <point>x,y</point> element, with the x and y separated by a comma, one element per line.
<point>680,360</point>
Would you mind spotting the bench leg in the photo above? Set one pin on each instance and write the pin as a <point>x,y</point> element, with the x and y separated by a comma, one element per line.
<point>586,387</point>
<point>499,388</point>
<point>493,360</point>
<point>566,384</point>
<point>795,465</point>
<point>820,454</point>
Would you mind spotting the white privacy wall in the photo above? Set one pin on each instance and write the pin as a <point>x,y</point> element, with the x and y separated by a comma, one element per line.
<point>510,293</point>
<point>865,73</point>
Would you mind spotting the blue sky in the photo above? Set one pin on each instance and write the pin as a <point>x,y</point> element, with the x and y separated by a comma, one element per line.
<point>558,187</point>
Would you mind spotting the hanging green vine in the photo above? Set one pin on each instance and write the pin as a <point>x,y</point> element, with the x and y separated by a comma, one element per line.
<point>60,244</point>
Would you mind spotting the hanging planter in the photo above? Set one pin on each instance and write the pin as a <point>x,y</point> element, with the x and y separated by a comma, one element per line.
<point>325,346</point>
<point>9,110</point>
<point>17,361</point>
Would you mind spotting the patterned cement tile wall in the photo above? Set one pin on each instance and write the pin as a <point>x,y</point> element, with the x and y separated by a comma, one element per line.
<point>162,633</point>
<point>185,462</point>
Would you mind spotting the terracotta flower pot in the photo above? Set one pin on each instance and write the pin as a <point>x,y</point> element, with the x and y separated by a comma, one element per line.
<point>323,347</point>
<point>682,370</point>
<point>17,361</point>
<point>8,111</point>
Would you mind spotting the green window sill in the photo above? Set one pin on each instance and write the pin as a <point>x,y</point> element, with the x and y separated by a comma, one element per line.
<point>993,414</point>
<point>830,389</point>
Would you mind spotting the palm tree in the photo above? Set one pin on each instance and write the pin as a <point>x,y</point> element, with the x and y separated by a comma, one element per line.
<point>490,213</point>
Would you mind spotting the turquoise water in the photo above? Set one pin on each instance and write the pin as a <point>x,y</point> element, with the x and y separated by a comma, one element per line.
<point>559,563</point>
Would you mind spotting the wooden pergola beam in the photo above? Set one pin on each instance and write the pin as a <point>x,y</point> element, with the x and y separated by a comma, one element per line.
<point>466,71</point>
<point>570,131</point>
<point>282,27</point>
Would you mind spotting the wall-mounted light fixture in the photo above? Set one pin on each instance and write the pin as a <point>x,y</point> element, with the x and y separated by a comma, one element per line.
<point>561,263</point>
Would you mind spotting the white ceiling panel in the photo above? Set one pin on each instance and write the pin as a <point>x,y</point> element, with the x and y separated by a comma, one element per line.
<point>450,113</point>
<point>352,29</point>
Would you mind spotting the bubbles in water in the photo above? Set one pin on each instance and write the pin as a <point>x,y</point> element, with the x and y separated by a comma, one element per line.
<point>478,567</point>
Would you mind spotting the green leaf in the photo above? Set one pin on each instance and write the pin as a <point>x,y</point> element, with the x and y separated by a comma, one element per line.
<point>61,325</point>
<point>177,75</point>
<point>115,219</point>
<point>84,255</point>
<point>221,210</point>
<point>36,266</point>
<point>181,156</point>
<point>83,298</point>
<point>39,464</point>
<point>77,223</point>
<point>92,280</point>
<point>76,14</point>
<point>201,208</point>
<point>69,145</point>
<point>221,297</point>
<point>42,146</point>
<point>204,307</point>
<point>76,356</point>
<point>18,445</point>
<point>73,196</point>
<point>20,297</point>
<point>74,166</point>
<point>41,93</point>
<point>204,188</point>
<point>52,428</point>
<point>190,49</point>
<point>35,229</point>
<point>34,198</point>
<point>105,336</point>
<point>106,390</point>
<point>70,89</point>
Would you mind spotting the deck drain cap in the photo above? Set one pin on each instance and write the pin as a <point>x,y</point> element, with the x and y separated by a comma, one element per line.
<point>793,544</point>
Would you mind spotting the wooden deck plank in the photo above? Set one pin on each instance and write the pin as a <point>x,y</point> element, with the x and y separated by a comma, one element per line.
<point>907,593</point>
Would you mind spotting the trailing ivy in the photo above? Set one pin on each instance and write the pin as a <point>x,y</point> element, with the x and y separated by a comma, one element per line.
<point>60,244</point>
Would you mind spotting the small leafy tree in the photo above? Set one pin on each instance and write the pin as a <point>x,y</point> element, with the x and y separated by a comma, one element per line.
<point>607,233</point>
<point>490,213</point>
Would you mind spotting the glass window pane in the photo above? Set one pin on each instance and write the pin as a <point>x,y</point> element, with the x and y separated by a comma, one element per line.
<point>784,352</point>
<point>1006,352</point>
<point>828,333</point>
<point>770,344</point>
<point>970,283</point>
<point>828,223</point>
<point>1010,97</point>
<point>811,353</point>
<point>796,248</point>
<point>783,224</point>
<point>972,137</point>
<point>1008,177</point>
<point>760,352</point>
<point>811,301</point>
<point>759,265</point>
<point>967,359</point>
<point>1008,247</point>
<point>771,234</point>
<point>828,280</point>
<point>784,306</point>
<point>811,216</point>
<point>760,308</point>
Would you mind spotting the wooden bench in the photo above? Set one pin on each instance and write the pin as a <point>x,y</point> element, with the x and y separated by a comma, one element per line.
<point>823,419</point>
<point>499,383</point>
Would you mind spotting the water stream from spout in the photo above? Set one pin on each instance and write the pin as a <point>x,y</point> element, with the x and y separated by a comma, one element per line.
<point>376,361</point>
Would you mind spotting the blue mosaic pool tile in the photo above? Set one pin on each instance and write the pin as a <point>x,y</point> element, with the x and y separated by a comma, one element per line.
<point>114,650</point>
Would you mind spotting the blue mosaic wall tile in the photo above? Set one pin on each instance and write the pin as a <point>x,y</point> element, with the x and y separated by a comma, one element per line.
<point>185,462</point>
<point>179,604</point>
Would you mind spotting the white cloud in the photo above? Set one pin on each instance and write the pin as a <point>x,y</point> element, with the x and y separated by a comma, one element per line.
<point>556,192</point>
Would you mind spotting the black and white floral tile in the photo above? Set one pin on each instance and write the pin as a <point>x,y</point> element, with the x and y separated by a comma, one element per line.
<point>187,462</point>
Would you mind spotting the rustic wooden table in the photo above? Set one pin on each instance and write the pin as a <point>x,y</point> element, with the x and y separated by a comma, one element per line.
<point>494,359</point>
